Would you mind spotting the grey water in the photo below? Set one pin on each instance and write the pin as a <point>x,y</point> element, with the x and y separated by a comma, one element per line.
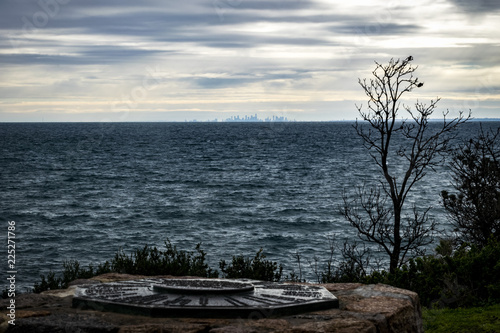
<point>86,190</point>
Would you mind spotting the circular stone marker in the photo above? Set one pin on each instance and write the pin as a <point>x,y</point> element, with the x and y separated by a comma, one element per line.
<point>203,298</point>
<point>201,286</point>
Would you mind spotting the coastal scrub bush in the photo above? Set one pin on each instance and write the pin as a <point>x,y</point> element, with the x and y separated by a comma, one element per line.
<point>468,277</point>
<point>474,210</point>
<point>71,271</point>
<point>50,283</point>
<point>152,261</point>
<point>145,261</point>
<point>251,268</point>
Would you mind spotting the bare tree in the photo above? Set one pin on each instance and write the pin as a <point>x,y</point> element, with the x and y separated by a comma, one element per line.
<point>404,150</point>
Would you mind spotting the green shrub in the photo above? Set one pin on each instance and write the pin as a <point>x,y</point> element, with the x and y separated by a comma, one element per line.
<point>256,268</point>
<point>468,277</point>
<point>145,261</point>
<point>348,271</point>
<point>151,261</point>
<point>71,271</point>
<point>49,283</point>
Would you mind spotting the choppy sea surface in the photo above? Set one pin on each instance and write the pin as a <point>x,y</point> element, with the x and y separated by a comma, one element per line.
<point>86,190</point>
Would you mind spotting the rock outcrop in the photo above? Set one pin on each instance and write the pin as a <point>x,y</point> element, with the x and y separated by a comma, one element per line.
<point>363,308</point>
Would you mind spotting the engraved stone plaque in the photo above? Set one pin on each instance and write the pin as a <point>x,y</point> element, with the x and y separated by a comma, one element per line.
<point>203,298</point>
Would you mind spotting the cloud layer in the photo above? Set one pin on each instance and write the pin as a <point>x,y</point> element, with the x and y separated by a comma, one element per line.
<point>74,60</point>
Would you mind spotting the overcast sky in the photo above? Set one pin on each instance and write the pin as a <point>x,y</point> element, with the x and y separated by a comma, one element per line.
<point>121,60</point>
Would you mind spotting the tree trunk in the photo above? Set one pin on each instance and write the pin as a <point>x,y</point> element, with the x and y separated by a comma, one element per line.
<point>396,251</point>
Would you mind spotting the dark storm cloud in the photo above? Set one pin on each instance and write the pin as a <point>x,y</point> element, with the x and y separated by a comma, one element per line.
<point>477,6</point>
<point>151,18</point>
<point>92,14</point>
<point>148,23</point>
<point>199,22</point>
<point>376,28</point>
<point>237,40</point>
<point>263,4</point>
<point>115,17</point>
<point>144,23</point>
<point>111,53</point>
<point>20,59</point>
<point>467,56</point>
<point>216,83</point>
<point>241,79</point>
<point>241,17</point>
<point>82,56</point>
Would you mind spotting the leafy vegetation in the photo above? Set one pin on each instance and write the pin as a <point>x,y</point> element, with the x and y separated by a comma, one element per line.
<point>145,261</point>
<point>252,268</point>
<point>475,209</point>
<point>71,271</point>
<point>171,261</point>
<point>469,276</point>
<point>152,261</point>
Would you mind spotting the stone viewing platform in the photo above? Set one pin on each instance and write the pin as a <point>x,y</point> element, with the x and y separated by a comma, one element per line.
<point>207,298</point>
<point>132,304</point>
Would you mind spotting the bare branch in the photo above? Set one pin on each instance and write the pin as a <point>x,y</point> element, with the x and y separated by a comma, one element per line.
<point>405,150</point>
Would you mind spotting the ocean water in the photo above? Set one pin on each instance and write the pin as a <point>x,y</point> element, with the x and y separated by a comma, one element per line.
<point>86,190</point>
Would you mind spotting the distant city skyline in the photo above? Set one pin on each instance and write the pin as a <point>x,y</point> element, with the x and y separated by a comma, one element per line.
<point>255,118</point>
<point>236,119</point>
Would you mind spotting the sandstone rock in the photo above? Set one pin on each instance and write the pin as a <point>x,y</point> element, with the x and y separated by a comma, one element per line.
<point>62,323</point>
<point>363,308</point>
<point>30,301</point>
<point>393,309</point>
<point>60,292</point>
<point>346,325</point>
<point>159,328</point>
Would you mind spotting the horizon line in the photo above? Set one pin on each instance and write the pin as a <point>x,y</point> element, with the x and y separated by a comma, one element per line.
<point>217,122</point>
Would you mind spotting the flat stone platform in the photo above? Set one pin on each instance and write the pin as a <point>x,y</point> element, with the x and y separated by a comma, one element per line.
<point>206,298</point>
<point>362,308</point>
